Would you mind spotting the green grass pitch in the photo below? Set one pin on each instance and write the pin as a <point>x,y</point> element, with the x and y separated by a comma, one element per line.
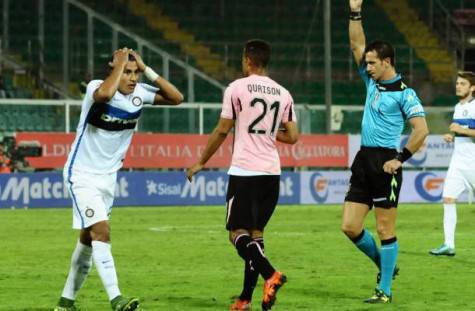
<point>179,258</point>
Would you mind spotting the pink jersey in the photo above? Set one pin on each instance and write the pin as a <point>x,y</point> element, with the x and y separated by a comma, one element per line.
<point>259,105</point>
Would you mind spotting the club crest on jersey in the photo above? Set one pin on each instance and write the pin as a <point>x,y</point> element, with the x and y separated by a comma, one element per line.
<point>89,212</point>
<point>136,101</point>
<point>375,100</point>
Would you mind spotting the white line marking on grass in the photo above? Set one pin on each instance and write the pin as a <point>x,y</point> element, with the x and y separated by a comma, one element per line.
<point>198,229</point>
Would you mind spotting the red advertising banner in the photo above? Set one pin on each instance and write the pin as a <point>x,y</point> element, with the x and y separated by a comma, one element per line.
<point>182,150</point>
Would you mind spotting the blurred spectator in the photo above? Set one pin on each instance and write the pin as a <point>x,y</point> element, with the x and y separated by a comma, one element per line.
<point>426,91</point>
<point>3,94</point>
<point>4,161</point>
<point>83,84</point>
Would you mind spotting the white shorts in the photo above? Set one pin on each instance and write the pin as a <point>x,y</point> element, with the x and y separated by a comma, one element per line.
<point>458,180</point>
<point>92,196</point>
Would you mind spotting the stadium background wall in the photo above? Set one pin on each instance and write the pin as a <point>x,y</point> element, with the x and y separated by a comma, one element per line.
<point>33,190</point>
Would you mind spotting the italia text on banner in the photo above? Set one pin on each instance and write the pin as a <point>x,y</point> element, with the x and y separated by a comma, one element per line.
<point>180,150</point>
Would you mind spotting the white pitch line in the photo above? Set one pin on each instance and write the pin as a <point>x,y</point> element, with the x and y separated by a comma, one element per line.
<point>198,229</point>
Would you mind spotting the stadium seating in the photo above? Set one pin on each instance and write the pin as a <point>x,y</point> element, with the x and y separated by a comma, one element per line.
<point>296,36</point>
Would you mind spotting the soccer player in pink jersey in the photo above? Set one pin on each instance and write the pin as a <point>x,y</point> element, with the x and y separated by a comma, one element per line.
<point>256,107</point>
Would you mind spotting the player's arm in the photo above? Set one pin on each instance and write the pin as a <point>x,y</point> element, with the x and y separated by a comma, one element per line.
<point>168,94</point>
<point>290,133</point>
<point>356,32</point>
<point>458,129</point>
<point>215,140</point>
<point>448,138</point>
<point>107,89</point>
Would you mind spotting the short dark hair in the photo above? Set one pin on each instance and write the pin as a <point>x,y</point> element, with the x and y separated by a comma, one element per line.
<point>468,75</point>
<point>258,51</point>
<point>383,49</point>
<point>111,59</point>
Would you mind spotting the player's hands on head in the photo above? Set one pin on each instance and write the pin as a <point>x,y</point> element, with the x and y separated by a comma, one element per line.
<point>139,60</point>
<point>448,138</point>
<point>193,170</point>
<point>456,128</point>
<point>120,57</point>
<point>355,5</point>
<point>392,166</point>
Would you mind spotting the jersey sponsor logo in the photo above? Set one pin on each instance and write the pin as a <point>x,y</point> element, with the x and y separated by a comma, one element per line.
<point>137,101</point>
<point>465,112</point>
<point>108,118</point>
<point>429,186</point>
<point>319,187</point>
<point>111,118</point>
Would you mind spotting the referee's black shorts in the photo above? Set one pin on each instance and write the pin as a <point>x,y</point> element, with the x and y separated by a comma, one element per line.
<point>369,184</point>
<point>251,201</point>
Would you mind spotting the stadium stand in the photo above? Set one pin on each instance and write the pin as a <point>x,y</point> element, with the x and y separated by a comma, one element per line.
<point>217,31</point>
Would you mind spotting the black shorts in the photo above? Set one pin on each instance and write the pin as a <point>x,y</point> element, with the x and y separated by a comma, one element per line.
<point>369,184</point>
<point>251,201</point>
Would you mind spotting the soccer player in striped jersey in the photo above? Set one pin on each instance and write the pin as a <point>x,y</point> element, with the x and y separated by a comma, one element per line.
<point>109,114</point>
<point>461,173</point>
<point>255,106</point>
<point>376,172</point>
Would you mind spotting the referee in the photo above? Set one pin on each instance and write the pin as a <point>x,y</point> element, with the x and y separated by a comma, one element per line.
<point>376,172</point>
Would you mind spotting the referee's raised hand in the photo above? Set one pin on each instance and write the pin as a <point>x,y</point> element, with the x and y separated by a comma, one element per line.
<point>355,5</point>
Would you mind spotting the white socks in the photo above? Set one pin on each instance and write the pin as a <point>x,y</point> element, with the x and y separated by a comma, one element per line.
<point>101,253</point>
<point>81,263</point>
<point>450,221</point>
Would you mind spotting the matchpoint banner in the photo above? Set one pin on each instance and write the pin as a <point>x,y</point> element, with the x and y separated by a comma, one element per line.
<point>133,189</point>
<point>182,150</point>
<point>31,190</point>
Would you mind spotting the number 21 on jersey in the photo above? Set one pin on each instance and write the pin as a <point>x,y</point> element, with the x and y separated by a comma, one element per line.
<point>255,127</point>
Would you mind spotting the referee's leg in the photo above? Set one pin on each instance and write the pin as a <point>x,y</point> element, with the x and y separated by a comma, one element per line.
<point>353,227</point>
<point>386,227</point>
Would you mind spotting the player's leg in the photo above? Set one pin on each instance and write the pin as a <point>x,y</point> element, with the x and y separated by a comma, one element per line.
<point>81,264</point>
<point>385,189</point>
<point>104,262</point>
<point>241,238</point>
<point>238,217</point>
<point>357,205</point>
<point>454,185</point>
<point>354,214</point>
<point>275,279</point>
<point>81,259</point>
<point>266,198</point>
<point>386,227</point>
<point>251,275</point>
